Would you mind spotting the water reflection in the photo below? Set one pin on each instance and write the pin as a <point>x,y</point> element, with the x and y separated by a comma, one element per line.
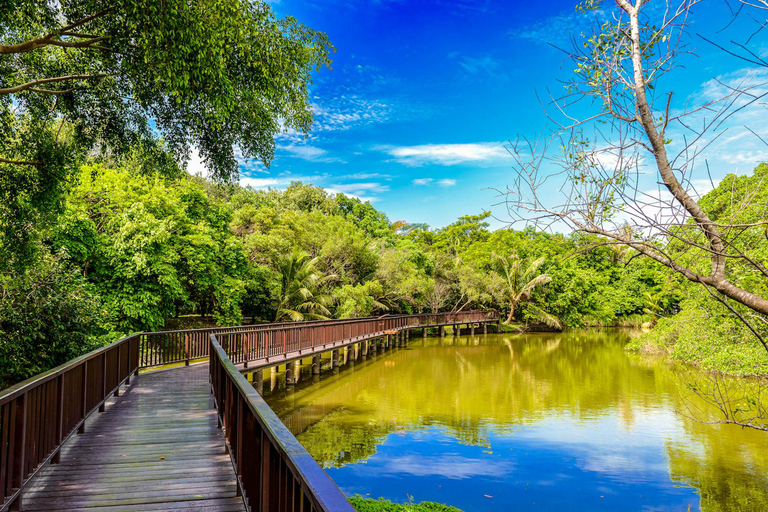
<point>524,422</point>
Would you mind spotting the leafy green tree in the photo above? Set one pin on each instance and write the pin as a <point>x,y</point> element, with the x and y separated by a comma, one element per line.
<point>300,296</point>
<point>78,76</point>
<point>518,279</point>
<point>152,248</point>
<point>48,316</point>
<point>373,222</point>
<point>358,300</point>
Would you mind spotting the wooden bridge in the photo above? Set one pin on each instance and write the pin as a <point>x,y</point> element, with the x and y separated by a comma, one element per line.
<point>196,437</point>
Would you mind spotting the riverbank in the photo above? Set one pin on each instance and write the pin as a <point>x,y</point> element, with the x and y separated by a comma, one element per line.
<point>711,343</point>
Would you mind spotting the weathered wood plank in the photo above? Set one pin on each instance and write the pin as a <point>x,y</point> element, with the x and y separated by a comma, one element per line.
<point>157,447</point>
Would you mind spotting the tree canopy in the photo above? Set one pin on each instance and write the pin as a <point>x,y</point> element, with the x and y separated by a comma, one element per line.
<point>79,77</point>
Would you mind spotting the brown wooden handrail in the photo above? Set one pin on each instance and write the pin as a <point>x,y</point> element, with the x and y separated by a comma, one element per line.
<point>39,414</point>
<point>274,471</point>
<point>183,346</point>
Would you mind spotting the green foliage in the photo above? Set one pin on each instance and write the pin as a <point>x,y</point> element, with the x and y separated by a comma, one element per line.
<point>358,300</point>
<point>152,248</point>
<point>149,244</point>
<point>214,74</point>
<point>48,315</point>
<point>300,297</point>
<point>362,504</point>
<point>704,333</point>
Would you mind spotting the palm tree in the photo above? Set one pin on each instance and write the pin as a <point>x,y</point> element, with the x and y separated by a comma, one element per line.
<point>300,297</point>
<point>519,278</point>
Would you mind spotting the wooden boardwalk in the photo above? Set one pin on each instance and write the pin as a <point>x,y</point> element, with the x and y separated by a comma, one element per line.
<point>156,447</point>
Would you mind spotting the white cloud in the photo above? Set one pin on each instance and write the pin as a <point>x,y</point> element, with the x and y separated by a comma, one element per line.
<point>246,181</point>
<point>348,112</point>
<point>309,153</point>
<point>428,182</point>
<point>357,187</point>
<point>475,65</point>
<point>362,197</point>
<point>481,153</point>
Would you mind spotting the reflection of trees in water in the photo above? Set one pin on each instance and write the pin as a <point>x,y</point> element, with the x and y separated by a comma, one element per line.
<point>337,443</point>
<point>472,390</point>
<point>726,458</point>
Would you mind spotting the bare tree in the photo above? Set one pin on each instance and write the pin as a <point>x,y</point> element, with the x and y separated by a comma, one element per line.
<point>598,160</point>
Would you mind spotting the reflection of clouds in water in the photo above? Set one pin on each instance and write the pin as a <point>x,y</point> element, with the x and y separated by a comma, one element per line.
<point>605,444</point>
<point>623,464</point>
<point>451,466</point>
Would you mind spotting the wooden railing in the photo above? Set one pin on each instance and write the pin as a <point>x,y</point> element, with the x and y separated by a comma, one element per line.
<point>167,347</point>
<point>261,345</point>
<point>39,414</point>
<point>274,471</point>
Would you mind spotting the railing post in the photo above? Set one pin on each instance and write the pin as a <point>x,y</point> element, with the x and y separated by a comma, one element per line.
<point>84,397</point>
<point>19,462</point>
<point>239,447</point>
<point>59,417</point>
<point>119,363</point>
<point>103,405</point>
<point>186,349</point>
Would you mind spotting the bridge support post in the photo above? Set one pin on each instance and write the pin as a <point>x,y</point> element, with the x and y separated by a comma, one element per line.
<point>316,365</point>
<point>258,381</point>
<point>485,327</point>
<point>442,331</point>
<point>472,329</point>
<point>423,332</point>
<point>456,330</point>
<point>335,359</point>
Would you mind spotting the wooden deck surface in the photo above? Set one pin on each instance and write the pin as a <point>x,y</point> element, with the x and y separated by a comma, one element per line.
<point>156,447</point>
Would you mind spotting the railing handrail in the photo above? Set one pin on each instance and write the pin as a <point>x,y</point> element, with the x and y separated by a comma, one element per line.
<point>298,325</point>
<point>248,421</point>
<point>323,491</point>
<point>24,386</point>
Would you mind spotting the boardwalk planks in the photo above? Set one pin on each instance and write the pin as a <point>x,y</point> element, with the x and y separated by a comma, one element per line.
<point>157,447</point>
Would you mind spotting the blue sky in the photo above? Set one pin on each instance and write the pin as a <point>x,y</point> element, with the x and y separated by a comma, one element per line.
<point>423,95</point>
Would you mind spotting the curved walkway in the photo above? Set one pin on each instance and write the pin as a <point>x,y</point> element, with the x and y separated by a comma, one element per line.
<point>156,447</point>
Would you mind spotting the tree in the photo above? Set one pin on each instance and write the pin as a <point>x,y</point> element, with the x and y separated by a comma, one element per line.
<point>48,316</point>
<point>300,296</point>
<point>84,75</point>
<point>620,66</point>
<point>519,278</point>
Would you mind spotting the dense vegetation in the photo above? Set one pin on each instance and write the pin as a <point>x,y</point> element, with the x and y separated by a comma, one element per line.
<point>135,245</point>
<point>713,333</point>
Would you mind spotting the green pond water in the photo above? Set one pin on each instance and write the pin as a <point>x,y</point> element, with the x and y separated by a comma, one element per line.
<point>523,422</point>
